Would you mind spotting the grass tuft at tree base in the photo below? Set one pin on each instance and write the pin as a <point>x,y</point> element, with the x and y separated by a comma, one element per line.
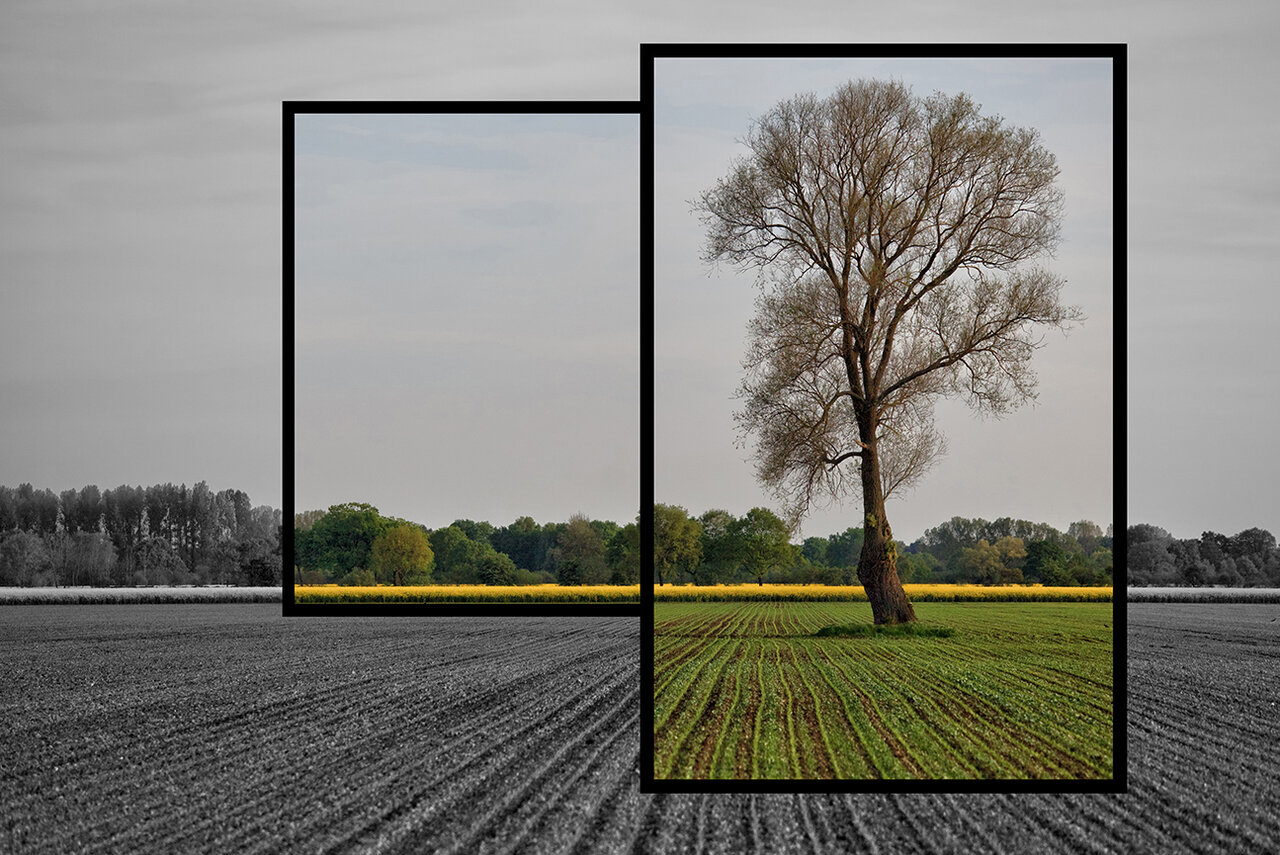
<point>858,630</point>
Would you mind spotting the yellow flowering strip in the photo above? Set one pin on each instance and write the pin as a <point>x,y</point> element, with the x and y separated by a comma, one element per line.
<point>304,594</point>
<point>854,593</point>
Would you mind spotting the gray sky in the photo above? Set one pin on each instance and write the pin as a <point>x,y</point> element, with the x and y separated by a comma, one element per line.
<point>1052,462</point>
<point>468,315</point>
<point>141,251</point>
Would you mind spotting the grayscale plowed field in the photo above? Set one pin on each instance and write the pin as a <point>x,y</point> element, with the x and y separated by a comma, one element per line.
<point>191,728</point>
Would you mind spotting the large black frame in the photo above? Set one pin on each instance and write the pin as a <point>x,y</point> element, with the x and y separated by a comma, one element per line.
<point>650,54</point>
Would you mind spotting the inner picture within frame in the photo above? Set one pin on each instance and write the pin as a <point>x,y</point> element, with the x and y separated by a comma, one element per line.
<point>464,282</point>
<point>820,328</point>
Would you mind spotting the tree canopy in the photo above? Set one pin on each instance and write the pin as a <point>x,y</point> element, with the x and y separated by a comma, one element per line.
<point>1249,558</point>
<point>354,543</point>
<point>401,555</point>
<point>163,534</point>
<point>896,237</point>
<point>958,550</point>
<point>677,540</point>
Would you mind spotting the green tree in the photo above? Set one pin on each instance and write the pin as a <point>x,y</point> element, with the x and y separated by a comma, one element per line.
<point>496,568</point>
<point>901,233</point>
<point>1087,534</point>
<point>1013,553</point>
<point>569,572</point>
<point>623,555</point>
<point>944,541</point>
<point>766,543</point>
<point>844,549</point>
<point>580,543</point>
<point>1103,562</point>
<point>981,563</point>
<point>401,555</point>
<point>814,550</point>
<point>479,532</point>
<point>916,566</point>
<point>677,540</point>
<point>458,558</point>
<point>721,548</point>
<point>606,529</point>
<point>342,540</point>
<point>547,553</point>
<point>1046,562</point>
<point>519,541</point>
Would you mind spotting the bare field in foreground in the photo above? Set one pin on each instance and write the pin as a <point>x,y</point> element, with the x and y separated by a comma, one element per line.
<point>227,729</point>
<point>231,729</point>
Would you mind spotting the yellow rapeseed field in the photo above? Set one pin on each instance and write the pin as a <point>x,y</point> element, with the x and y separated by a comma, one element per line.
<point>855,593</point>
<point>303,594</point>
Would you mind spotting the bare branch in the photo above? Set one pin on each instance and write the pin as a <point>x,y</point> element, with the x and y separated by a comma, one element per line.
<point>901,232</point>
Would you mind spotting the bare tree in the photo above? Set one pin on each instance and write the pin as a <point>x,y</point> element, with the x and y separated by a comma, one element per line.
<point>892,234</point>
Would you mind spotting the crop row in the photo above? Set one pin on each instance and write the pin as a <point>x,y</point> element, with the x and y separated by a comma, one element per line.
<point>744,690</point>
<point>1204,699</point>
<point>227,729</point>
<point>922,593</point>
<point>467,594</point>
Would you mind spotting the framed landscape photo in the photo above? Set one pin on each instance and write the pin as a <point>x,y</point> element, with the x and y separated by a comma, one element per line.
<point>462,289</point>
<point>884,473</point>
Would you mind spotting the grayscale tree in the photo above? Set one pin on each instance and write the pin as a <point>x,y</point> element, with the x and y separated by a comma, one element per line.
<point>896,239</point>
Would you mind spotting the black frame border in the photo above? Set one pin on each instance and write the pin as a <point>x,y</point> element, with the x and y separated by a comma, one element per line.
<point>290,109</point>
<point>1118,54</point>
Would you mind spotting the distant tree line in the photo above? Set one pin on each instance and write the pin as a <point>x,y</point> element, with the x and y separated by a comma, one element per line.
<point>353,544</point>
<point>1247,559</point>
<point>157,535</point>
<point>719,547</point>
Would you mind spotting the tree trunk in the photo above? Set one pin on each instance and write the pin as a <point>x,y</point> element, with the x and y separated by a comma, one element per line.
<point>878,563</point>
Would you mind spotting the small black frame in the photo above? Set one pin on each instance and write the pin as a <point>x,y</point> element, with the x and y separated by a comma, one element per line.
<point>290,109</point>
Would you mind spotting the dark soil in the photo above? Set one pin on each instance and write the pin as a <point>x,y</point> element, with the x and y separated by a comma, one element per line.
<point>229,729</point>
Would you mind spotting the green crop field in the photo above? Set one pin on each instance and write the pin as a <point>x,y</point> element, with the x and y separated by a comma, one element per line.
<point>1020,690</point>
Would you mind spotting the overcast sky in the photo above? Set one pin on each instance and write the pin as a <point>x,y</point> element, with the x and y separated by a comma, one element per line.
<point>141,253</point>
<point>468,315</point>
<point>1052,463</point>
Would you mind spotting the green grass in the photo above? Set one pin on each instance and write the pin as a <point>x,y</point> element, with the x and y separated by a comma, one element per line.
<point>760,690</point>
